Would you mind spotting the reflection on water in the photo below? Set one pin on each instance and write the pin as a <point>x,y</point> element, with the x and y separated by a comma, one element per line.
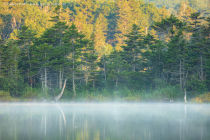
<point>104,121</point>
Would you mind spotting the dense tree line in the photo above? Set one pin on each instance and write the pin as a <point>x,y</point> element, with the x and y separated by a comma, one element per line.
<point>103,45</point>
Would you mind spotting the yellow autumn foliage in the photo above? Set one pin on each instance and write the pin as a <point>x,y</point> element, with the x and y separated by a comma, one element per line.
<point>204,98</point>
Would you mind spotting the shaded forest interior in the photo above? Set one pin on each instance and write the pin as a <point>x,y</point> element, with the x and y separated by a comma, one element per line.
<point>107,49</point>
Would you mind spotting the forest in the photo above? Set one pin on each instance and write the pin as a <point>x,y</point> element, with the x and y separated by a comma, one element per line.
<point>108,50</point>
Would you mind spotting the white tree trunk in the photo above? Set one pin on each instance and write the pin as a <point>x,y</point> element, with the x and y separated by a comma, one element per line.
<point>104,68</point>
<point>59,96</point>
<point>73,78</point>
<point>180,73</point>
<point>185,96</point>
<point>45,77</point>
<point>86,78</point>
<point>117,76</point>
<point>60,79</point>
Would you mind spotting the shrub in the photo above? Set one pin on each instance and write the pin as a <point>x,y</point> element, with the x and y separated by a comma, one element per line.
<point>5,96</point>
<point>203,98</point>
<point>131,98</point>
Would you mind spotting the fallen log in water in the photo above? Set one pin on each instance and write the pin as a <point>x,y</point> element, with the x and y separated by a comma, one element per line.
<point>59,95</point>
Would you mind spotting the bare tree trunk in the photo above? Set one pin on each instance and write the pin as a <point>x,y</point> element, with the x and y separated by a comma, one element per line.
<point>34,81</point>
<point>93,81</point>
<point>29,58</point>
<point>104,68</point>
<point>159,61</point>
<point>74,91</point>
<point>74,86</point>
<point>202,68</point>
<point>15,69</point>
<point>45,77</point>
<point>81,70</point>
<point>146,30</point>
<point>134,59</point>
<point>60,79</point>
<point>116,82</point>
<point>14,23</point>
<point>117,76</point>
<point>59,96</point>
<point>62,76</point>
<point>45,80</point>
<point>50,85</point>
<point>42,83</point>
<point>185,96</point>
<point>28,78</point>
<point>180,73</point>
<point>86,75</point>
<point>205,76</point>
<point>0,64</point>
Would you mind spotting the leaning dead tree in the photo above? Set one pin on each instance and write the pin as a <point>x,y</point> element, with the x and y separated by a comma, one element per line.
<point>59,95</point>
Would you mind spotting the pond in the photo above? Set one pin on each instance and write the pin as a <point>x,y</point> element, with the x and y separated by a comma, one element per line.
<point>104,121</point>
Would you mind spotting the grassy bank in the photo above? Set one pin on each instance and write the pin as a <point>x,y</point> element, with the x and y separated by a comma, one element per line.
<point>118,95</point>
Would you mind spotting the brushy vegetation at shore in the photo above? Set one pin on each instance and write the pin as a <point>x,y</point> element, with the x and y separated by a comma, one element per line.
<point>204,98</point>
<point>141,53</point>
<point>164,94</point>
<point>6,97</point>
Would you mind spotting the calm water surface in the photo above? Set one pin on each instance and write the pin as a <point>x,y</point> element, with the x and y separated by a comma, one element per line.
<point>81,121</point>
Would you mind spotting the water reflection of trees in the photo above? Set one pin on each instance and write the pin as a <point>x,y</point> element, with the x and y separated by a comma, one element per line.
<point>80,122</point>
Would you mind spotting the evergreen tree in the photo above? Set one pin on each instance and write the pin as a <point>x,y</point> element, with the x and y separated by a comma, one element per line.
<point>25,38</point>
<point>154,57</point>
<point>128,13</point>
<point>73,44</point>
<point>177,59</point>
<point>206,33</point>
<point>169,25</point>
<point>117,68</point>
<point>44,54</point>
<point>90,58</point>
<point>54,36</point>
<point>197,47</point>
<point>12,81</point>
<point>133,49</point>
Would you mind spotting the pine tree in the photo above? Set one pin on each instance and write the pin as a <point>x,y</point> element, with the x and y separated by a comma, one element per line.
<point>13,81</point>
<point>117,68</point>
<point>92,58</point>
<point>154,57</point>
<point>197,45</point>
<point>133,48</point>
<point>177,59</point>
<point>168,25</point>
<point>206,42</point>
<point>2,45</point>
<point>54,36</point>
<point>89,57</point>
<point>25,38</point>
<point>44,54</point>
<point>73,44</point>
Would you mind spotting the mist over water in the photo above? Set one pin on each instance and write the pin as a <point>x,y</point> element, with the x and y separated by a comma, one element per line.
<point>104,121</point>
